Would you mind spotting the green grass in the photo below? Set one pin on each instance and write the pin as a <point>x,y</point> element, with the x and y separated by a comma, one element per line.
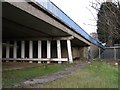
<point>95,75</point>
<point>12,77</point>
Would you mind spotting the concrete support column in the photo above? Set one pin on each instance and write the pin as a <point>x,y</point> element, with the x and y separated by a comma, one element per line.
<point>7,49</point>
<point>48,50</point>
<point>30,50</point>
<point>99,53</point>
<point>59,50</point>
<point>69,51</point>
<point>22,49</point>
<point>39,50</point>
<point>15,50</point>
<point>115,54</point>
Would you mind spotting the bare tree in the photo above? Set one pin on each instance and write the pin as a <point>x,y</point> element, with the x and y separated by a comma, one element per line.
<point>110,19</point>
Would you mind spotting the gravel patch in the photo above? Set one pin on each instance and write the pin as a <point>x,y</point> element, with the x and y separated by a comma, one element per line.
<point>39,81</point>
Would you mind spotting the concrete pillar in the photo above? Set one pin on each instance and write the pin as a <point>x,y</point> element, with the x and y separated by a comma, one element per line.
<point>69,51</point>
<point>22,49</point>
<point>15,50</point>
<point>85,55</point>
<point>48,50</point>
<point>7,49</point>
<point>58,50</point>
<point>115,53</point>
<point>30,49</point>
<point>99,53</point>
<point>39,49</point>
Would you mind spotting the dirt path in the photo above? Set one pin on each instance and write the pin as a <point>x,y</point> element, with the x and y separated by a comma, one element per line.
<point>39,81</point>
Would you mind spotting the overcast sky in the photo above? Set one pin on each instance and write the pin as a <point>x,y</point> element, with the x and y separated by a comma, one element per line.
<point>80,12</point>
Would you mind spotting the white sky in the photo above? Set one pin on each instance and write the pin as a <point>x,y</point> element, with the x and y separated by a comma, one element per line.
<point>80,12</point>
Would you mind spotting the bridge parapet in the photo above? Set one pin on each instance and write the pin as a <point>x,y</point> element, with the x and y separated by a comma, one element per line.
<point>59,14</point>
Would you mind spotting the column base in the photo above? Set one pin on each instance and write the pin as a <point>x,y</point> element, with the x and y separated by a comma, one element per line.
<point>7,60</point>
<point>14,61</point>
<point>39,61</point>
<point>30,61</point>
<point>70,61</point>
<point>59,62</point>
<point>48,62</point>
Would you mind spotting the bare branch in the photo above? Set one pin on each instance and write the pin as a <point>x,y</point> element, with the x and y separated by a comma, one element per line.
<point>110,18</point>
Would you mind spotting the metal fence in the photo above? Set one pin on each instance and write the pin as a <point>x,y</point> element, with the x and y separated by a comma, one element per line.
<point>111,53</point>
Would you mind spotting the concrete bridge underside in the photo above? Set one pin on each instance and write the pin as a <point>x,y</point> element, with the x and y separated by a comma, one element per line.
<point>31,34</point>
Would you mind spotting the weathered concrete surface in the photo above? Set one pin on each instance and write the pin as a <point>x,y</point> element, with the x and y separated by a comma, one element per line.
<point>35,18</point>
<point>22,20</point>
<point>94,51</point>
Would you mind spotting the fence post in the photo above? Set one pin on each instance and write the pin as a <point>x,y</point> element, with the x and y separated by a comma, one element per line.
<point>114,53</point>
<point>99,53</point>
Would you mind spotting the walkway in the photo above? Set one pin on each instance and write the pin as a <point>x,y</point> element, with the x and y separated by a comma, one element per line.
<point>40,81</point>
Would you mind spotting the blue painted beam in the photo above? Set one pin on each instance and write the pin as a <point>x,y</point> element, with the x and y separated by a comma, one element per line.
<point>59,14</point>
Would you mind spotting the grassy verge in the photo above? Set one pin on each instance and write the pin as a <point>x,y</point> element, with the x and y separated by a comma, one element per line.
<point>96,75</point>
<point>12,77</point>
